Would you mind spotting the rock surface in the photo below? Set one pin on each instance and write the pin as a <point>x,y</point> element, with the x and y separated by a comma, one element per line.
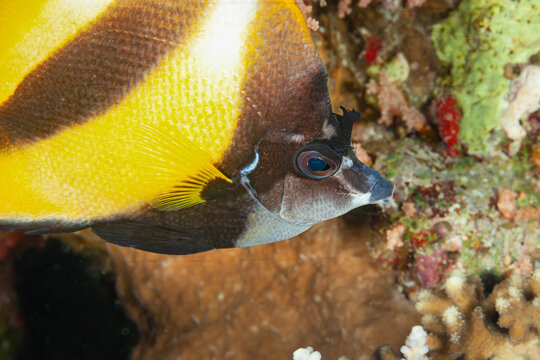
<point>321,289</point>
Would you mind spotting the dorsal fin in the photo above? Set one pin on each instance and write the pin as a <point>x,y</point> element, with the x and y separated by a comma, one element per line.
<point>346,122</point>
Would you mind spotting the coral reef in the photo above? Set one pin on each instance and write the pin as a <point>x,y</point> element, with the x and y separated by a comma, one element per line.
<point>456,213</point>
<point>345,5</point>
<point>321,288</point>
<point>358,43</point>
<point>415,347</point>
<point>476,42</point>
<point>448,124</point>
<point>465,321</point>
<point>507,205</point>
<point>306,354</point>
<point>469,320</point>
<point>392,103</point>
<point>524,98</point>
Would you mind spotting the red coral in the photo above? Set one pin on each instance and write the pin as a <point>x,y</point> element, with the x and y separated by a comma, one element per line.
<point>449,116</point>
<point>373,47</point>
<point>420,238</point>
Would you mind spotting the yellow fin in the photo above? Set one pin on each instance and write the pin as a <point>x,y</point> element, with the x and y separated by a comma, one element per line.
<point>179,168</point>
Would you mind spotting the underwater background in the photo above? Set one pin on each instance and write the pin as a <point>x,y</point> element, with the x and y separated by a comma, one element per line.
<point>449,93</point>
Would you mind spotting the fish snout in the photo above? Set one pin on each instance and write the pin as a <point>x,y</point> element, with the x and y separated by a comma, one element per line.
<point>382,191</point>
<point>368,183</point>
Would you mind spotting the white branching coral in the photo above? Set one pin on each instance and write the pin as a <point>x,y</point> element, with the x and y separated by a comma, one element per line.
<point>416,347</point>
<point>524,98</point>
<point>306,354</point>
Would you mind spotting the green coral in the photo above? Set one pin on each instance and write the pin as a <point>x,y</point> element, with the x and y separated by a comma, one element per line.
<point>396,69</point>
<point>476,42</point>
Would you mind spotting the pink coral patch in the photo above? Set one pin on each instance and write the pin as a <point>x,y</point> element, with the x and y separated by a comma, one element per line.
<point>431,268</point>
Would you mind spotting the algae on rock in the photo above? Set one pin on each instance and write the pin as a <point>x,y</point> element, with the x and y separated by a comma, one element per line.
<point>476,41</point>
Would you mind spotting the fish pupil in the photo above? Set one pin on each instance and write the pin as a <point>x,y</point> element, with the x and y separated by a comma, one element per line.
<point>317,164</point>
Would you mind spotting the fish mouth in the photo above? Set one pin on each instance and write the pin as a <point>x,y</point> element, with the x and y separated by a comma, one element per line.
<point>382,191</point>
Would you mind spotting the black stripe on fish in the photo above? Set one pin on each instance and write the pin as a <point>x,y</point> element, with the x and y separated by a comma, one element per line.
<point>286,93</point>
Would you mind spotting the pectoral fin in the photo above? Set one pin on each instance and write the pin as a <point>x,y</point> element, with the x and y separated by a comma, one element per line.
<point>180,170</point>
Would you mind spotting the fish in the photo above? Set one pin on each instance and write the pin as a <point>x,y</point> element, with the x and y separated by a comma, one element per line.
<point>169,126</point>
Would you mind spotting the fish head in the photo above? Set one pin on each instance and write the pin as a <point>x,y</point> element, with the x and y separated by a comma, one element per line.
<point>311,177</point>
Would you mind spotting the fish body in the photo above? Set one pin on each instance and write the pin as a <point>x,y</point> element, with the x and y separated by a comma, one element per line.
<point>171,126</point>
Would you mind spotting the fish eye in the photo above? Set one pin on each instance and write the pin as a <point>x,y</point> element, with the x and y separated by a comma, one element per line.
<point>317,161</point>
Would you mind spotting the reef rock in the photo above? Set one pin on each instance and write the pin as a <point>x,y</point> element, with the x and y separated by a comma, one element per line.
<point>321,289</point>
<point>466,320</point>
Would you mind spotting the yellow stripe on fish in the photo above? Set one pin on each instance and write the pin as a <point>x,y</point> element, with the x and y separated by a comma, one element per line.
<point>108,164</point>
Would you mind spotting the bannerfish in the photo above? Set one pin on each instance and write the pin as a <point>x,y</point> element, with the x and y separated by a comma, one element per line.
<point>172,126</point>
